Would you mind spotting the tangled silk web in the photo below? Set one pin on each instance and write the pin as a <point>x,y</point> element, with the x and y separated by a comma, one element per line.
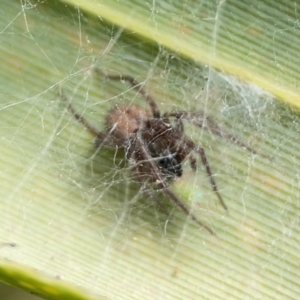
<point>77,213</point>
<point>108,183</point>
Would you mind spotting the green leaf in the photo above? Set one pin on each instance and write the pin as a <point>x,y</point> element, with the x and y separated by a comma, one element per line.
<point>254,41</point>
<point>73,223</point>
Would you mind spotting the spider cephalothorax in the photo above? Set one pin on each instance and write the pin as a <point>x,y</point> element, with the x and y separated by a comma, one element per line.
<point>155,146</point>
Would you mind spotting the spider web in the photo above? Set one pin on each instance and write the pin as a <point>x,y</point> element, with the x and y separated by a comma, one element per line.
<point>79,215</point>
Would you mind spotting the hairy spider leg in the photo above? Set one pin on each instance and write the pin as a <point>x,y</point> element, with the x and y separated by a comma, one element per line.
<point>179,127</point>
<point>104,138</point>
<point>137,86</point>
<point>79,117</point>
<point>143,185</point>
<point>163,185</point>
<point>186,151</point>
<point>177,201</point>
<point>193,162</point>
<point>200,120</point>
<point>213,183</point>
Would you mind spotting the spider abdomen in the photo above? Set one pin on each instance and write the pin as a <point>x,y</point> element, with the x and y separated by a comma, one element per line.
<point>124,120</point>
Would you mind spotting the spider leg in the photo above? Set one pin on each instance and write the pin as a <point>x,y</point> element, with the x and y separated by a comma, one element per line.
<point>177,201</point>
<point>193,162</point>
<point>215,128</point>
<point>137,86</point>
<point>158,179</point>
<point>213,183</point>
<point>80,118</point>
<point>179,127</point>
<point>200,120</point>
<point>101,137</point>
<point>143,185</point>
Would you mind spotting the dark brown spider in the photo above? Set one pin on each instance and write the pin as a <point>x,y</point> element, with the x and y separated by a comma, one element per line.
<point>154,147</point>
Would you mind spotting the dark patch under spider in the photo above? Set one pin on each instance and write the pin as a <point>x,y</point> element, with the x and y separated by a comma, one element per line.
<point>155,148</point>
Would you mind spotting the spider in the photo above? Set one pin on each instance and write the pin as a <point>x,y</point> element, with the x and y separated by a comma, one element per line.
<point>155,147</point>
